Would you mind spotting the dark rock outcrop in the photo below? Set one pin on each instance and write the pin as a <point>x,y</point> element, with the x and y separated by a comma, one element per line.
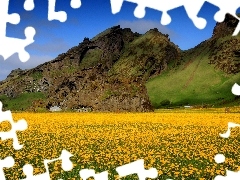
<point>16,72</point>
<point>225,47</point>
<point>226,27</point>
<point>80,77</point>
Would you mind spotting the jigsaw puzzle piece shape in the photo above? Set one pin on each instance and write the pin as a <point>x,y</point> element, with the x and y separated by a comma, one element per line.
<point>87,173</point>
<point>156,5</point>
<point>165,7</point>
<point>236,89</point>
<point>75,4</point>
<point>230,175</point>
<point>137,167</point>
<point>53,15</point>
<point>66,166</point>
<point>228,132</point>
<point>5,163</point>
<point>29,5</point>
<point>21,125</point>
<point>116,6</point>
<point>225,7</point>
<point>8,45</point>
<point>237,29</point>
<point>229,7</point>
<point>140,11</point>
<point>192,9</point>
<point>6,18</point>
<point>60,15</point>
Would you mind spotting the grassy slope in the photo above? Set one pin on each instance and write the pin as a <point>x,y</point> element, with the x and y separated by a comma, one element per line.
<point>21,102</point>
<point>194,82</point>
<point>131,62</point>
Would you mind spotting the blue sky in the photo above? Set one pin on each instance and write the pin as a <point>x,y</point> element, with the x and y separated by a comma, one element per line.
<point>54,37</point>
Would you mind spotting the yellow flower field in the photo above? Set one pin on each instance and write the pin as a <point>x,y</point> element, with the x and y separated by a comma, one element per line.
<point>179,145</point>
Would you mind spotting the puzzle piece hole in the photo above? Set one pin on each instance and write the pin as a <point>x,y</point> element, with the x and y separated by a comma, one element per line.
<point>8,162</point>
<point>28,169</point>
<point>5,126</point>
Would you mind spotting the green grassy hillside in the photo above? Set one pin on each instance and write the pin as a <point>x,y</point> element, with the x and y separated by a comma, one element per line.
<point>146,56</point>
<point>109,72</point>
<point>194,82</point>
<point>22,102</point>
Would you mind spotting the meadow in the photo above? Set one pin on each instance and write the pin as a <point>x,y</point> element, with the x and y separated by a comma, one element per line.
<point>179,144</point>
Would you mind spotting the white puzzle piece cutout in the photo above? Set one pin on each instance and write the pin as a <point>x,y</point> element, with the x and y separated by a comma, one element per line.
<point>236,89</point>
<point>220,158</point>
<point>66,166</point>
<point>137,167</point>
<point>192,9</point>
<point>87,173</point>
<point>227,133</point>
<point>29,5</point>
<point>21,125</point>
<point>5,163</point>
<point>9,45</point>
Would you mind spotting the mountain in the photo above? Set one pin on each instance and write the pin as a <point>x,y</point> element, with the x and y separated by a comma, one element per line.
<point>106,73</point>
<point>206,74</point>
<point>122,71</point>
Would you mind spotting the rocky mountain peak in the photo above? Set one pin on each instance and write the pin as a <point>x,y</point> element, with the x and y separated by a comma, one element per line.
<point>226,27</point>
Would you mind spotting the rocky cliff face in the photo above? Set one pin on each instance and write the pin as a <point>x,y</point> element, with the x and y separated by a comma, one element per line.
<point>226,27</point>
<point>109,72</point>
<point>92,74</point>
<point>225,48</point>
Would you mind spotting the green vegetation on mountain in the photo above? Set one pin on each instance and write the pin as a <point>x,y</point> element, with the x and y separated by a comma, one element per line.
<point>193,83</point>
<point>146,56</point>
<point>119,70</point>
<point>206,74</point>
<point>22,102</point>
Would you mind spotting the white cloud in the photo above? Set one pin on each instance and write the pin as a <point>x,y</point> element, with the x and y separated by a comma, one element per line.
<point>142,26</point>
